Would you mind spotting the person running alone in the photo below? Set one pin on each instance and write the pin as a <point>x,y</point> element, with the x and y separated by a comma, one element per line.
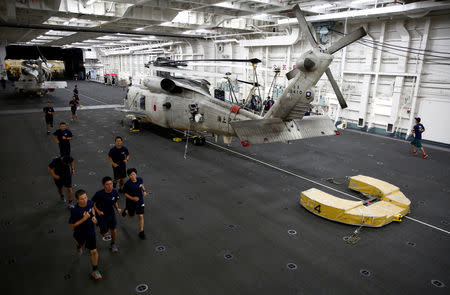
<point>105,201</point>
<point>119,156</point>
<point>416,143</point>
<point>82,220</point>
<point>62,138</point>
<point>48,112</point>
<point>135,192</point>
<point>62,169</point>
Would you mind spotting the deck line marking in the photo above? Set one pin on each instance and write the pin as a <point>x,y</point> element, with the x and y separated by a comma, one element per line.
<point>91,107</point>
<point>89,97</point>
<point>427,224</point>
<point>315,182</point>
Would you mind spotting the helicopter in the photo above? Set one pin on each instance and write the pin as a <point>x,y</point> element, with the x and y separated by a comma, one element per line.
<point>35,77</point>
<point>187,104</point>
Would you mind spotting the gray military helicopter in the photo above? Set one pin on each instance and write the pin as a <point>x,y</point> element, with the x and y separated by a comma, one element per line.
<point>35,77</point>
<point>187,104</point>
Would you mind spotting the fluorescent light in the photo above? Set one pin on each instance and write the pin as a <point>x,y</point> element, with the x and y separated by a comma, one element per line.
<point>59,33</point>
<point>139,29</point>
<point>260,16</point>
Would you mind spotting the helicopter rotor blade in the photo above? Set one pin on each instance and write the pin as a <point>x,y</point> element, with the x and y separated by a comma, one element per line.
<point>251,60</point>
<point>346,40</point>
<point>250,83</point>
<point>181,71</point>
<point>336,89</point>
<point>310,34</point>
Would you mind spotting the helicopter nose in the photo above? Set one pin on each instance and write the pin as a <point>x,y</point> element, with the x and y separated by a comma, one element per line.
<point>308,64</point>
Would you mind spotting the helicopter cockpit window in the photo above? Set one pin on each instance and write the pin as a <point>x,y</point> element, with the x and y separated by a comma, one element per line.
<point>219,94</point>
<point>142,102</point>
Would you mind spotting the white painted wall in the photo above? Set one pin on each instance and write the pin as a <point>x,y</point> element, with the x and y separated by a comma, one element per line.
<point>382,93</point>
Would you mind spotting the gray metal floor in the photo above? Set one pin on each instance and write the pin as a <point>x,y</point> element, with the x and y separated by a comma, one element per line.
<point>222,217</point>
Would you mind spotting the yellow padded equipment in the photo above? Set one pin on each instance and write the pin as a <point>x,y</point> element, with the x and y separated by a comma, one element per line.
<point>371,186</point>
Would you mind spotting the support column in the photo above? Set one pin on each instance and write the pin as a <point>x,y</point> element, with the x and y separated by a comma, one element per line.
<point>2,60</point>
<point>423,47</point>
<point>365,88</point>
<point>399,80</point>
<point>371,118</point>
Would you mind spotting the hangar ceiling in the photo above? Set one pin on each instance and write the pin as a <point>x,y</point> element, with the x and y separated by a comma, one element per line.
<point>119,23</point>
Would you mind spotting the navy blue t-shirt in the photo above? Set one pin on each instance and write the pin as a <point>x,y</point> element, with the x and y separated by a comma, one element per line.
<point>418,129</point>
<point>59,134</point>
<point>118,155</point>
<point>75,92</point>
<point>87,227</point>
<point>134,189</point>
<point>105,201</point>
<point>47,111</point>
<point>61,169</point>
<point>73,104</point>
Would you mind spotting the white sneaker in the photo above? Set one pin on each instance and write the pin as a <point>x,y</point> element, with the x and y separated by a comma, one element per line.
<point>114,248</point>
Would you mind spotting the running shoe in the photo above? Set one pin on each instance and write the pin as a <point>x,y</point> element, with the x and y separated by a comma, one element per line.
<point>425,156</point>
<point>114,248</point>
<point>96,275</point>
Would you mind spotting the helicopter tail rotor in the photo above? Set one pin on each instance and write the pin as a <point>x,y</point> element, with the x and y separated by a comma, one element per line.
<point>344,41</point>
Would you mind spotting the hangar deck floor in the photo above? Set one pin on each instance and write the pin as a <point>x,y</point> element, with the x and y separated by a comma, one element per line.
<point>222,215</point>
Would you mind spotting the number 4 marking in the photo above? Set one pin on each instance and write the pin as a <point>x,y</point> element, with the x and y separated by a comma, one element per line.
<point>317,208</point>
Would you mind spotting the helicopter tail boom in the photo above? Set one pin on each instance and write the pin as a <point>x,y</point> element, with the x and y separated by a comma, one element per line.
<point>277,130</point>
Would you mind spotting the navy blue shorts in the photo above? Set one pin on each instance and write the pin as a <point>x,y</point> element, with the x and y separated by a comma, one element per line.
<point>64,150</point>
<point>88,240</point>
<point>120,172</point>
<point>74,110</point>
<point>66,182</point>
<point>134,208</point>
<point>105,223</point>
<point>49,120</point>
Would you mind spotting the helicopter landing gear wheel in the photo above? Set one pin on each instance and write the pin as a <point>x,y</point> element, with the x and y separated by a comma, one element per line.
<point>199,140</point>
<point>135,126</point>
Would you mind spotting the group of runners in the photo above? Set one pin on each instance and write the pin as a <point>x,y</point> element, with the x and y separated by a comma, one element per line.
<point>100,211</point>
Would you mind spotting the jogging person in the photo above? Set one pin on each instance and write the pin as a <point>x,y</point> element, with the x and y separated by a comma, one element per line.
<point>73,107</point>
<point>105,201</point>
<point>62,138</point>
<point>82,221</point>
<point>135,192</point>
<point>62,169</point>
<point>119,156</point>
<point>416,143</point>
<point>48,112</point>
<point>75,91</point>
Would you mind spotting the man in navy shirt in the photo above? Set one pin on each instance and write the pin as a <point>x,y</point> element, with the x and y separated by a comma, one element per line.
<point>62,170</point>
<point>119,156</point>
<point>418,129</point>
<point>105,201</point>
<point>75,91</point>
<point>73,107</point>
<point>135,192</point>
<point>62,138</point>
<point>48,112</point>
<point>82,220</point>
